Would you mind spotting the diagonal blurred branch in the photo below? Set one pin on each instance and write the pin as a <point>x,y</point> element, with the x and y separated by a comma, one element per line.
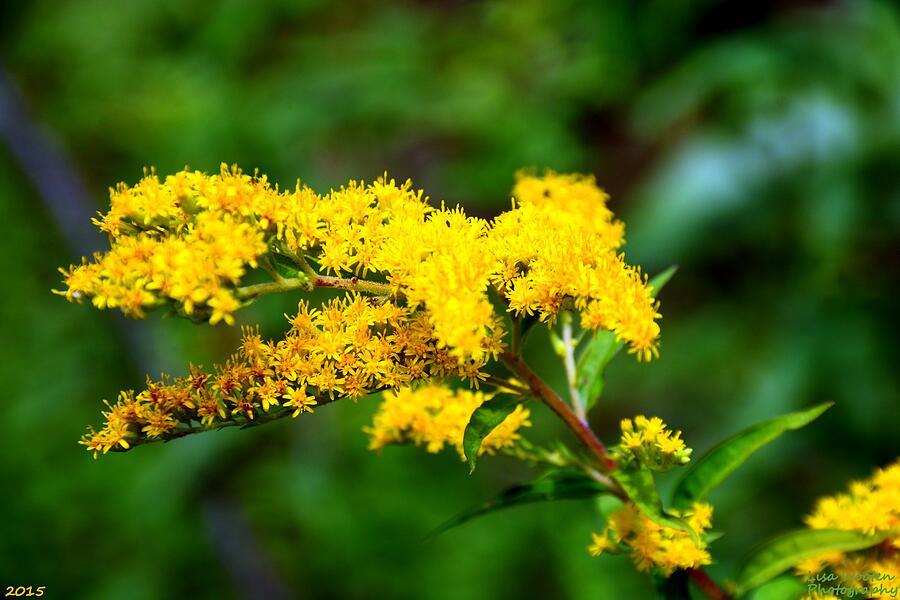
<point>44,163</point>
<point>246,563</point>
<point>62,190</point>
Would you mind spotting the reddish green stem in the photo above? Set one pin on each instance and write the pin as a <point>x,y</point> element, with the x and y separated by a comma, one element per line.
<point>549,397</point>
<point>706,585</point>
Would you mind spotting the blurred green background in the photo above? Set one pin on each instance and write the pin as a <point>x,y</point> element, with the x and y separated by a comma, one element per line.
<point>755,144</point>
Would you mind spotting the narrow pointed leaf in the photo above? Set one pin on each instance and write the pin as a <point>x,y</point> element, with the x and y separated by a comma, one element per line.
<point>602,348</point>
<point>606,505</point>
<point>286,267</point>
<point>483,421</point>
<point>708,471</point>
<point>784,551</point>
<point>641,489</point>
<point>559,485</point>
<point>781,588</point>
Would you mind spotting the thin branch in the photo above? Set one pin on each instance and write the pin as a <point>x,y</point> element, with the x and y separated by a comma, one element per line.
<point>516,343</point>
<point>304,264</point>
<point>569,363</point>
<point>262,418</point>
<point>507,385</point>
<point>558,405</point>
<point>706,585</point>
<point>295,283</point>
<point>272,287</point>
<point>354,284</point>
<point>525,450</point>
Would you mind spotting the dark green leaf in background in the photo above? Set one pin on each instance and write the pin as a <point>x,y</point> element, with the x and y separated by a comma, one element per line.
<point>556,485</point>
<point>786,550</point>
<point>781,588</point>
<point>704,474</point>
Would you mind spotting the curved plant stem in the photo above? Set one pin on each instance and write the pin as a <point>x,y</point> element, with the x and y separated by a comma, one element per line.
<point>569,363</point>
<point>706,585</point>
<point>575,420</point>
<point>295,283</point>
<point>507,386</point>
<point>354,284</point>
<point>584,433</point>
<point>262,417</point>
<point>272,287</point>
<point>578,426</point>
<point>516,335</point>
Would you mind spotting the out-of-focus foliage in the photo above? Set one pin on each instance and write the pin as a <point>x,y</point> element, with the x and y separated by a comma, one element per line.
<point>755,144</point>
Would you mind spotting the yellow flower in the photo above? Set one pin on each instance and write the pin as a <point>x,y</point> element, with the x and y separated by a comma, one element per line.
<point>352,347</point>
<point>434,416</point>
<point>870,506</point>
<point>599,544</point>
<point>223,305</point>
<point>652,545</point>
<point>560,244</point>
<point>188,240</point>
<point>297,399</point>
<point>650,443</point>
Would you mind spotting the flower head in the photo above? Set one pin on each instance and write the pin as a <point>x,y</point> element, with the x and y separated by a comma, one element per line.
<point>434,416</point>
<point>649,442</point>
<point>187,242</point>
<point>870,506</point>
<point>438,277</point>
<point>652,545</point>
<point>351,348</point>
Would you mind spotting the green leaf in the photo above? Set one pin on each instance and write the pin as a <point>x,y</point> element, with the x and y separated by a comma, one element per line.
<point>638,483</point>
<point>483,421</point>
<point>602,349</point>
<point>782,588</point>
<point>712,535</point>
<point>786,550</point>
<point>704,474</point>
<point>285,266</point>
<point>559,347</point>
<point>658,282</point>
<point>607,505</point>
<point>526,327</point>
<point>641,489</point>
<point>556,485</point>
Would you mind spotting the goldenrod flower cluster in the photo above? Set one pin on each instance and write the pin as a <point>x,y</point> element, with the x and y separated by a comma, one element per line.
<point>649,442</point>
<point>560,244</point>
<point>185,241</point>
<point>350,347</point>
<point>870,506</point>
<point>435,416</point>
<point>652,545</point>
<point>188,240</point>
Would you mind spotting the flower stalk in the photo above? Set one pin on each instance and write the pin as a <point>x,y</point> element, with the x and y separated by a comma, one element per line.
<point>569,364</point>
<point>549,397</point>
<point>286,284</point>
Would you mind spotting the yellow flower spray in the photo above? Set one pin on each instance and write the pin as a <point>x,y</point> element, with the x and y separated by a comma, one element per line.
<point>434,313</point>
